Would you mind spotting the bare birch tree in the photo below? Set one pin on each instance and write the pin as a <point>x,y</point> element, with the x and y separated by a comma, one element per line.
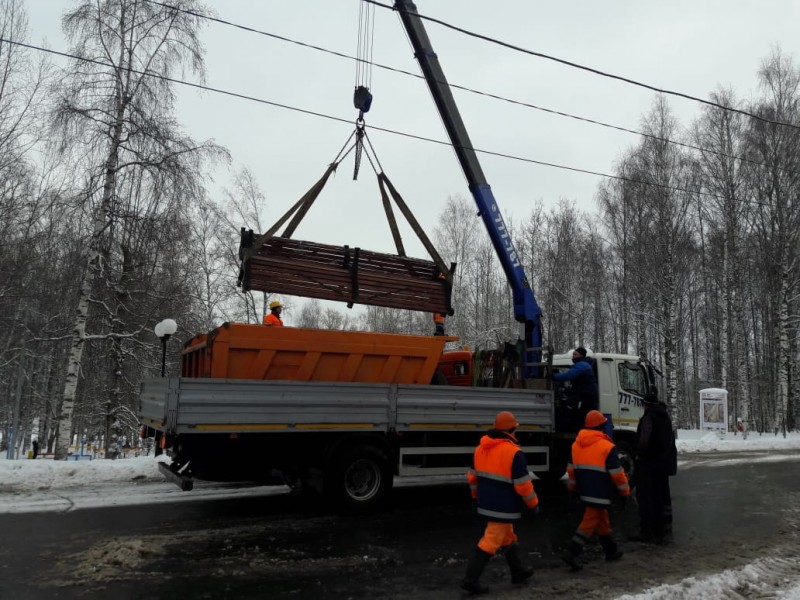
<point>720,134</point>
<point>115,116</point>
<point>244,205</point>
<point>775,187</point>
<point>660,176</point>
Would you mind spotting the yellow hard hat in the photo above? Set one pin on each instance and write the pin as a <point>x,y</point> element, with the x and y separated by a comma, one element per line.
<point>275,304</point>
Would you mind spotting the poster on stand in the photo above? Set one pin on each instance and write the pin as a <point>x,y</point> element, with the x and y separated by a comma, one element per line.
<point>714,409</point>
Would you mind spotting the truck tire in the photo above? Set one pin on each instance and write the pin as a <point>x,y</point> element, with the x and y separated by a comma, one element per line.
<point>560,451</point>
<point>551,476</point>
<point>626,456</point>
<point>358,479</point>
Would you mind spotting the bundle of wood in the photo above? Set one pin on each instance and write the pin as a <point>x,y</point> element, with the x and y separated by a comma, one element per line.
<point>352,275</point>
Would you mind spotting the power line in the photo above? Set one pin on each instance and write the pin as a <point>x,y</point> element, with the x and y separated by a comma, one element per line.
<point>350,122</point>
<point>463,88</point>
<point>575,65</point>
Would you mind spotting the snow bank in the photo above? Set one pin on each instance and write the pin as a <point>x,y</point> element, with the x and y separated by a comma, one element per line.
<point>42,474</point>
<point>692,440</point>
<point>769,577</point>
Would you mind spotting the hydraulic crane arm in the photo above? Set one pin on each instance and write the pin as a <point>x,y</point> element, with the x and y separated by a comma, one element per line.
<point>526,309</point>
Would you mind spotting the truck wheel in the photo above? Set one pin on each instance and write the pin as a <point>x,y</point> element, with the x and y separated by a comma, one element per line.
<point>625,452</point>
<point>359,479</point>
<point>551,476</point>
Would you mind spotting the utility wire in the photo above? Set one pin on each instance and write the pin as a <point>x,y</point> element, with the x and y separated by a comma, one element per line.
<point>568,63</point>
<point>349,122</point>
<point>467,89</point>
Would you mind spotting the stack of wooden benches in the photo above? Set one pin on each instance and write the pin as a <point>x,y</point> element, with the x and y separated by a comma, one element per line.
<point>300,268</point>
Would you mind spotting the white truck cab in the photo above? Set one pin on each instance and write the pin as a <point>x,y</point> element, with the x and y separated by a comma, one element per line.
<point>623,380</point>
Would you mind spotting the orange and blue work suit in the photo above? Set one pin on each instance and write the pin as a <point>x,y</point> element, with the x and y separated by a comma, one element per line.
<point>597,475</point>
<point>500,482</point>
<point>273,320</point>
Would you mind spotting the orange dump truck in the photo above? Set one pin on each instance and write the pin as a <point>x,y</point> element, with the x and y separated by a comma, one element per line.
<point>338,412</point>
<point>242,351</point>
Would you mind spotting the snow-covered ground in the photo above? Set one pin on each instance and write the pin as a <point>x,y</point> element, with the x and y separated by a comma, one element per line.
<point>46,485</point>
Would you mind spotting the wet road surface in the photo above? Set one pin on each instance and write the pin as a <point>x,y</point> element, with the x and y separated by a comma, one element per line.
<point>728,512</point>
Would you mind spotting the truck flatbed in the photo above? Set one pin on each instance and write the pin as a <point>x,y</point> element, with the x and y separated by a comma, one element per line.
<point>196,405</point>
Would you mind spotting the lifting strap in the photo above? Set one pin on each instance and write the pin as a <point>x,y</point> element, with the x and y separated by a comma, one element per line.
<point>300,208</point>
<point>383,180</point>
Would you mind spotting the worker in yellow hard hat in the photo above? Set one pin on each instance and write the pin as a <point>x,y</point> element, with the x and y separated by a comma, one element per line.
<point>273,319</point>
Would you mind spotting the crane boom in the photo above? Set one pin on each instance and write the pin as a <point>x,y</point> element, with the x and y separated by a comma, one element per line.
<point>526,309</point>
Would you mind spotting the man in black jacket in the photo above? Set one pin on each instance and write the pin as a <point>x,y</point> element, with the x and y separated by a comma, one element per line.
<point>656,460</point>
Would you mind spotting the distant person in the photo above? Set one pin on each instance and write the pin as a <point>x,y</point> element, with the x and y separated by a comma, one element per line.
<point>656,459</point>
<point>500,484</point>
<point>273,319</point>
<point>597,476</point>
<point>438,324</point>
<point>584,395</point>
<point>741,427</point>
<point>35,447</point>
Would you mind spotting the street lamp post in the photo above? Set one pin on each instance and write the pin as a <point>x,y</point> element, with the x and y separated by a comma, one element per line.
<point>163,330</point>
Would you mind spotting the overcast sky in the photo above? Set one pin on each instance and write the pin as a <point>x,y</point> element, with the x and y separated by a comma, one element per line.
<point>682,45</point>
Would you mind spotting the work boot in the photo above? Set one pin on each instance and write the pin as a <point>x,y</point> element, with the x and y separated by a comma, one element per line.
<point>519,573</point>
<point>668,539</point>
<point>610,548</point>
<point>570,556</point>
<point>475,568</point>
<point>646,535</point>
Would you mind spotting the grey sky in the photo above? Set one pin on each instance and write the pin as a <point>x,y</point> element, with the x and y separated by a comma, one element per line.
<point>682,45</point>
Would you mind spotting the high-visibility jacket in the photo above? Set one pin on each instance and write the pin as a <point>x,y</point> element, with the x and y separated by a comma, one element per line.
<point>499,478</point>
<point>273,320</point>
<point>595,471</point>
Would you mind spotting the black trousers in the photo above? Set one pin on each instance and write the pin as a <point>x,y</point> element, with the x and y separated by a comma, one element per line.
<point>652,495</point>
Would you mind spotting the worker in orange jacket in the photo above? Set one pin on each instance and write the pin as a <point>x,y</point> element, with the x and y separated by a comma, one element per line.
<point>438,324</point>
<point>597,476</point>
<point>500,484</point>
<point>273,319</point>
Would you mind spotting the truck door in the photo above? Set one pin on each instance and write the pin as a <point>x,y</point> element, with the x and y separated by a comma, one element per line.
<point>633,386</point>
<point>608,386</point>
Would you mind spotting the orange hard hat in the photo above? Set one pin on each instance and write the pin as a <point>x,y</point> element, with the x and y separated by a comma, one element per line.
<point>594,418</point>
<point>505,421</point>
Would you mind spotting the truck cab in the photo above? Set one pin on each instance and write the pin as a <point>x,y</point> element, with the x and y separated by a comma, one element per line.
<point>624,380</point>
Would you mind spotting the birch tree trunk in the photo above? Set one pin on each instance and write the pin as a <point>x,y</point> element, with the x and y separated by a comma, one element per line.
<point>93,267</point>
<point>782,337</point>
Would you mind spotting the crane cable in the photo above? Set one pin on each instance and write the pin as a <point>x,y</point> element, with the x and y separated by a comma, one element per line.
<point>362,97</point>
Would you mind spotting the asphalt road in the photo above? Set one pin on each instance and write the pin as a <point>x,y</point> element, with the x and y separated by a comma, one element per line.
<point>729,512</point>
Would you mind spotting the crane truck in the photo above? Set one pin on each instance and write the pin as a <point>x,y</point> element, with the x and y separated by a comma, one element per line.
<point>345,413</point>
